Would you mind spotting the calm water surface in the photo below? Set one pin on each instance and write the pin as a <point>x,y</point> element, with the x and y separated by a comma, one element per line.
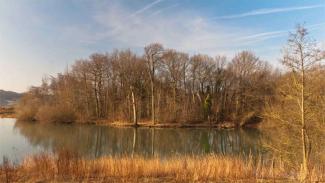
<point>19,139</point>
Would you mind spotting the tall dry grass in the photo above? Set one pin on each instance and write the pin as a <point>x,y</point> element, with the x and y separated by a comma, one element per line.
<point>69,167</point>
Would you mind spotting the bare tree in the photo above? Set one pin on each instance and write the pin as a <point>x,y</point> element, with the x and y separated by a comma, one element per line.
<point>249,80</point>
<point>300,55</point>
<point>153,56</point>
<point>97,70</point>
<point>174,66</point>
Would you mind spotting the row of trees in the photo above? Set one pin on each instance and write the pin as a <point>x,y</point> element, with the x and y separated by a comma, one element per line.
<point>165,85</point>
<point>162,85</point>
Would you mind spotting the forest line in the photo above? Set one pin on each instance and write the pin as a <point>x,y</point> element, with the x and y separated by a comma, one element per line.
<point>168,86</point>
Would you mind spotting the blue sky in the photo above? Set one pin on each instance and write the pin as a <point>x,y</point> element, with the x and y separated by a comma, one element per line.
<point>39,38</point>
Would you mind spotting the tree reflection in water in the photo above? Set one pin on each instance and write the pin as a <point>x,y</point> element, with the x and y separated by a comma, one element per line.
<point>96,141</point>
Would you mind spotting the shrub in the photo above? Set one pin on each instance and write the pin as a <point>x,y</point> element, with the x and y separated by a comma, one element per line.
<point>56,113</point>
<point>26,109</point>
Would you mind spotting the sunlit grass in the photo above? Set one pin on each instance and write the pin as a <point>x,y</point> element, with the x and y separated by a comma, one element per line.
<point>66,166</point>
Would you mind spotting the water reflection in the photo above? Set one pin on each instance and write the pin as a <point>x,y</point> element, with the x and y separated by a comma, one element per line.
<point>97,141</point>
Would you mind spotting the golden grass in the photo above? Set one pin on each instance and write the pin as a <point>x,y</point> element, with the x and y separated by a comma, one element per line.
<point>69,167</point>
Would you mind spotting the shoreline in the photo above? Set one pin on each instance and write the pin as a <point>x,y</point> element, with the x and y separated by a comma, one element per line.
<point>7,112</point>
<point>7,116</point>
<point>227,125</point>
<point>148,124</point>
<point>202,124</point>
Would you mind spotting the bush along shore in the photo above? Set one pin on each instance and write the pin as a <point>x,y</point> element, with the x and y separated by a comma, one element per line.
<point>7,112</point>
<point>69,167</point>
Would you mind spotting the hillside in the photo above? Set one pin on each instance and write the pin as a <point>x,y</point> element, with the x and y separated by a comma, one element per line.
<point>8,97</point>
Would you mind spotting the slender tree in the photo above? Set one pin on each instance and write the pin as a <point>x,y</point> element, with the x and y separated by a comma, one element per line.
<point>153,56</point>
<point>301,55</point>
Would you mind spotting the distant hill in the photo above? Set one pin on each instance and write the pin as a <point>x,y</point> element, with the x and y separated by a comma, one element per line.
<point>8,97</point>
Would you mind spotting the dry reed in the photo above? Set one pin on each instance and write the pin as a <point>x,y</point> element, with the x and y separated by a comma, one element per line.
<point>69,167</point>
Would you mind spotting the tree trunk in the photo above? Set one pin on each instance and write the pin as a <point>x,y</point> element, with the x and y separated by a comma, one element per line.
<point>134,107</point>
<point>174,100</point>
<point>129,102</point>
<point>153,117</point>
<point>96,99</point>
<point>304,172</point>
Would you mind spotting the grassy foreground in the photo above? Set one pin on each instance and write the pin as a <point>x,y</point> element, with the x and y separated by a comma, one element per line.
<point>68,167</point>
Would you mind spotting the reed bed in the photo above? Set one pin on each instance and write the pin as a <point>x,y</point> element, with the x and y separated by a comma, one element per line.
<point>70,167</point>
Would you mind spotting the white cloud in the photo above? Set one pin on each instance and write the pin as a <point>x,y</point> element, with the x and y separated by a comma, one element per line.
<point>322,45</point>
<point>268,11</point>
<point>146,7</point>
<point>182,30</point>
<point>29,38</point>
<point>164,9</point>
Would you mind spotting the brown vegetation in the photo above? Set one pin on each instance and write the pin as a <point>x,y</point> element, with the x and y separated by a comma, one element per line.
<point>170,87</point>
<point>298,108</point>
<point>69,167</point>
<point>7,112</point>
<point>164,85</point>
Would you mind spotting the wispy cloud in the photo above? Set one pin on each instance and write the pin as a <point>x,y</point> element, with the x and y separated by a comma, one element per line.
<point>264,35</point>
<point>268,11</point>
<point>316,26</point>
<point>146,7</point>
<point>183,31</point>
<point>274,34</point>
<point>164,9</point>
<point>105,25</point>
<point>249,38</point>
<point>118,16</point>
<point>275,49</point>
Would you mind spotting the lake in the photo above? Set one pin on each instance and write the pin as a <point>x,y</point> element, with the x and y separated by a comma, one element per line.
<point>19,139</point>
